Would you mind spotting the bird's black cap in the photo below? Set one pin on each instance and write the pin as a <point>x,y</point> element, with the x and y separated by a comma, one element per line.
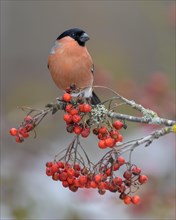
<point>77,34</point>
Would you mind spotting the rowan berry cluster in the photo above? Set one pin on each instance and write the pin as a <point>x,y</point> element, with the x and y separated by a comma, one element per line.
<point>31,121</point>
<point>23,130</point>
<point>79,120</point>
<point>101,177</point>
<point>77,115</point>
<point>108,137</point>
<point>74,169</point>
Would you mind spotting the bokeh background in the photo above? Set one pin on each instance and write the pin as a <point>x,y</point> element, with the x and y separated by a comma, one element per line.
<point>133,48</point>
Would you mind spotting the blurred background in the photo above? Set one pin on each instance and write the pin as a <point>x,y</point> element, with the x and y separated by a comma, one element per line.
<point>133,47</point>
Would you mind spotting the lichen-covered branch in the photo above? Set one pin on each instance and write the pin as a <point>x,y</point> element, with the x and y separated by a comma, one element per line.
<point>147,120</point>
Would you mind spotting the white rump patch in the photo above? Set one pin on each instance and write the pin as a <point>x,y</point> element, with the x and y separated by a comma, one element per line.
<point>87,92</point>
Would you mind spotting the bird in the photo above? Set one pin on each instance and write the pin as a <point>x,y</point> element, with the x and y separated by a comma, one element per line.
<point>70,63</point>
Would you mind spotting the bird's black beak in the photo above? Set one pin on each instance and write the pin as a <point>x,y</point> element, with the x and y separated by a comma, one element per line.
<point>84,37</point>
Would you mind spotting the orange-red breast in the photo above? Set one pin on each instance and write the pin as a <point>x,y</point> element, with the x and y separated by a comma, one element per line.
<point>70,63</point>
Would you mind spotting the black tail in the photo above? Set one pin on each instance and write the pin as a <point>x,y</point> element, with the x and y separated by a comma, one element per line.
<point>94,99</point>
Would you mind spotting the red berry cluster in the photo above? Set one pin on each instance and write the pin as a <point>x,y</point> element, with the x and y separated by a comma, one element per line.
<point>74,169</point>
<point>75,114</point>
<point>23,131</point>
<point>74,117</point>
<point>75,176</point>
<point>108,137</point>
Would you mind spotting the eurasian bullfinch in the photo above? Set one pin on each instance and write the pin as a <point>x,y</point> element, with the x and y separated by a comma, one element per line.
<point>70,63</point>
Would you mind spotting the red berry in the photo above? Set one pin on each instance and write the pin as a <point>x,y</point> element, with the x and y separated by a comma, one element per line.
<point>67,166</point>
<point>120,160</point>
<point>102,144</point>
<point>102,185</point>
<point>117,181</point>
<point>65,184</point>
<point>93,184</point>
<point>74,111</point>
<point>68,108</point>
<point>13,131</point>
<point>23,132</point>
<point>102,136</point>
<point>142,179</point>
<point>81,107</point>
<point>28,119</point>
<point>77,173</point>
<point>109,142</point>
<point>109,172</point>
<point>116,166</point>
<point>73,188</point>
<point>55,176</point>
<point>70,172</point>
<point>114,134</point>
<point>121,189</point>
<point>60,164</point>
<point>87,108</point>
<point>70,180</point>
<point>87,185</point>
<point>127,200</point>
<point>77,167</point>
<point>68,118</point>
<point>49,171</point>
<point>135,200</point>
<point>29,127</point>
<point>82,180</point>
<point>76,183</point>
<point>127,174</point>
<point>67,97</point>
<point>25,135</point>
<point>63,176</point>
<point>85,132</point>
<point>76,118</point>
<point>102,130</point>
<point>55,167</point>
<point>95,131</point>
<point>117,124</point>
<point>77,129</point>
<point>19,139</point>
<point>97,178</point>
<point>136,170</point>
<point>120,138</point>
<point>112,187</point>
<point>49,164</point>
<point>101,191</point>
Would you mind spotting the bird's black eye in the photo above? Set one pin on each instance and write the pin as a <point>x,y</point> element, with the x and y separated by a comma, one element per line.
<point>76,35</point>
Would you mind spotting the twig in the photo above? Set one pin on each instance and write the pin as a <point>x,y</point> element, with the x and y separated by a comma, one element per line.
<point>147,140</point>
